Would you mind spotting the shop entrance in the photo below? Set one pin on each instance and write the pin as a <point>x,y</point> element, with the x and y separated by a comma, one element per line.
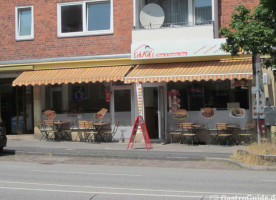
<point>122,109</point>
<point>154,111</point>
<point>16,110</point>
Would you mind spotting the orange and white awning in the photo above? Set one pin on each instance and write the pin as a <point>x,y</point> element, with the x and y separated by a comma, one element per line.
<point>207,70</point>
<point>76,75</point>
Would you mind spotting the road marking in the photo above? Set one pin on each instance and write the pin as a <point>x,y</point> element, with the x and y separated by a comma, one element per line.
<point>85,173</point>
<point>106,193</point>
<point>269,180</point>
<point>128,189</point>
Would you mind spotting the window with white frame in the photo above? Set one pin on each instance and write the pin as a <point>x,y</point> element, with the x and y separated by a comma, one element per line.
<point>24,23</point>
<point>85,18</point>
<point>203,11</point>
<point>185,12</point>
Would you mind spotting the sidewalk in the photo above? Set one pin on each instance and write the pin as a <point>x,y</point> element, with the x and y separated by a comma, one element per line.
<point>26,144</point>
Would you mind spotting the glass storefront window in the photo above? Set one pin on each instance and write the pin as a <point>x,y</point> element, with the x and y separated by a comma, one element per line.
<point>122,106</point>
<point>77,98</point>
<point>87,98</point>
<point>216,94</point>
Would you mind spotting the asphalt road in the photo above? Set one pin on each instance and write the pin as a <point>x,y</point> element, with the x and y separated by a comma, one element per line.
<point>55,181</point>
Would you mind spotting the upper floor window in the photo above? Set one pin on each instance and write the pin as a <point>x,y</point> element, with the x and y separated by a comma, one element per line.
<point>24,23</point>
<point>175,11</point>
<point>183,12</point>
<point>203,11</point>
<point>85,18</point>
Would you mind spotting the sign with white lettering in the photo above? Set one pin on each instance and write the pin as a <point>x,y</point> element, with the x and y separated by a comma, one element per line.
<point>156,50</point>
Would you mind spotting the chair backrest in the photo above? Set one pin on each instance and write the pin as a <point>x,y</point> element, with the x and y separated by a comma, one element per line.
<point>88,124</point>
<point>178,125</point>
<point>187,126</point>
<point>49,124</point>
<point>221,126</point>
<point>117,123</point>
<point>82,124</point>
<point>249,126</point>
<point>40,124</point>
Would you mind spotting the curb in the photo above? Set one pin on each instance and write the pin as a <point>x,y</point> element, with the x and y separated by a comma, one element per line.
<point>262,156</point>
<point>139,155</point>
<point>109,155</point>
<point>251,167</point>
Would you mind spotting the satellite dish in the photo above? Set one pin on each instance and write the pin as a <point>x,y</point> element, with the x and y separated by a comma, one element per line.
<point>152,16</point>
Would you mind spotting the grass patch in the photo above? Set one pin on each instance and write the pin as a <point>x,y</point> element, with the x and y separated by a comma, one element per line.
<point>261,149</point>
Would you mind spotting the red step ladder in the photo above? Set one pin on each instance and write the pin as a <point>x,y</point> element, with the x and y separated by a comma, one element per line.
<point>139,124</point>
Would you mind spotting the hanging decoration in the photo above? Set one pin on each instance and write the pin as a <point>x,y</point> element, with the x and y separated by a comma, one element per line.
<point>107,95</point>
<point>174,100</point>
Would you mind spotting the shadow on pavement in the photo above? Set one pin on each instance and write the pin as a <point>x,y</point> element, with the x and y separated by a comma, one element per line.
<point>7,153</point>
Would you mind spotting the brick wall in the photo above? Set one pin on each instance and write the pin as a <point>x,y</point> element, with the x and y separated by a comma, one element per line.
<point>226,7</point>
<point>47,45</point>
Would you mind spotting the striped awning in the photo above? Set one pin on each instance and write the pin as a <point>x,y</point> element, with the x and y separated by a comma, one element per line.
<point>208,70</point>
<point>76,75</point>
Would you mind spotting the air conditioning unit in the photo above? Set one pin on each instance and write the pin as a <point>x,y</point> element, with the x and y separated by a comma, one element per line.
<point>266,79</point>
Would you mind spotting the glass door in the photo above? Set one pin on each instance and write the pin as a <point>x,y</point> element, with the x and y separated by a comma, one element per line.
<point>122,107</point>
<point>122,110</point>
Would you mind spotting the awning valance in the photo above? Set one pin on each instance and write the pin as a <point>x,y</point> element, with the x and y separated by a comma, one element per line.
<point>208,70</point>
<point>76,75</point>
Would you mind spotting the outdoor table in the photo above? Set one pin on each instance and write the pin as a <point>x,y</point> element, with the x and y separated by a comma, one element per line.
<point>99,127</point>
<point>59,127</point>
<point>231,127</point>
<point>196,127</point>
